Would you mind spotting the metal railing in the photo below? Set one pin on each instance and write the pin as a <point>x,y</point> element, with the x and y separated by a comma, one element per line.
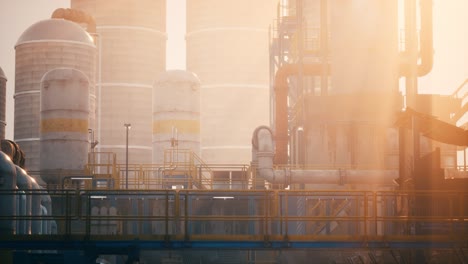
<point>268,215</point>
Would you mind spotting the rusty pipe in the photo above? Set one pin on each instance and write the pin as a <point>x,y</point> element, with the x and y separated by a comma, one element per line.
<point>76,16</point>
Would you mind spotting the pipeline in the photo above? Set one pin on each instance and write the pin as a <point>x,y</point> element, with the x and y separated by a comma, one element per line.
<point>13,151</point>
<point>262,156</point>
<point>281,83</point>
<point>281,90</point>
<point>24,182</point>
<point>76,16</point>
<point>426,45</point>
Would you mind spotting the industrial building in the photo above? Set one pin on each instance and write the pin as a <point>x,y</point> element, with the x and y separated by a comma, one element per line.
<point>297,135</point>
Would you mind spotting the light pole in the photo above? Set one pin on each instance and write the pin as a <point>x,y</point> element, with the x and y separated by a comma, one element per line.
<point>127,127</point>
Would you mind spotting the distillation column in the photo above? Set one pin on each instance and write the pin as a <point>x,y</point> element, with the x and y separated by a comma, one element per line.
<point>227,47</point>
<point>131,40</point>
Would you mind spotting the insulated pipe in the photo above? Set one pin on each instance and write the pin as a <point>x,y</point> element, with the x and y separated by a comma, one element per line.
<point>46,202</point>
<point>76,16</point>
<point>24,182</point>
<point>13,150</point>
<point>7,200</point>
<point>426,42</point>
<point>36,211</point>
<point>263,152</point>
<point>281,93</point>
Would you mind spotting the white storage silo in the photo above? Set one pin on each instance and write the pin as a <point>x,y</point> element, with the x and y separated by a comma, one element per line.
<point>131,40</point>
<point>227,47</point>
<point>64,123</point>
<point>176,113</point>
<point>3,80</point>
<point>44,46</point>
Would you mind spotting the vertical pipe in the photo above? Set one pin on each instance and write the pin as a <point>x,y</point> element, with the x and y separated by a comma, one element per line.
<point>464,159</point>
<point>300,54</point>
<point>324,46</point>
<point>3,81</point>
<point>411,47</point>
<point>126,161</point>
<point>402,157</point>
<point>416,143</point>
<point>127,127</point>
<point>36,211</point>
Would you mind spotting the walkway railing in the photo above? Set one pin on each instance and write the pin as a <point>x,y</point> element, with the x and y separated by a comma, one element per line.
<point>268,218</point>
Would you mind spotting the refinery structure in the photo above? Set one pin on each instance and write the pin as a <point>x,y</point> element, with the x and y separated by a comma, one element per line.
<point>297,134</point>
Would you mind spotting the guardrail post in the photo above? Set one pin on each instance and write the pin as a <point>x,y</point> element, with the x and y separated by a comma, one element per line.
<point>88,216</point>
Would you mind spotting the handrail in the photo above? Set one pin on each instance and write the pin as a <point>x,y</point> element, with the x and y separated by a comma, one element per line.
<point>241,214</point>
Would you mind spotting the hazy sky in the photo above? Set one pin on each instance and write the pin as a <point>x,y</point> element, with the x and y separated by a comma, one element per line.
<point>450,41</point>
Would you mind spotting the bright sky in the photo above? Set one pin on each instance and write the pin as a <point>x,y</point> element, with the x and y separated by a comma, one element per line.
<point>450,41</point>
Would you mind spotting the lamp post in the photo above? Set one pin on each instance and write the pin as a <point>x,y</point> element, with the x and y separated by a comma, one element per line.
<point>127,127</point>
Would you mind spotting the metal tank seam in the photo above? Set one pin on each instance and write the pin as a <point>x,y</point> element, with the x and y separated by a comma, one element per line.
<point>227,147</point>
<point>237,86</point>
<point>56,40</point>
<point>205,30</point>
<point>26,139</point>
<point>123,147</point>
<point>158,32</point>
<point>139,85</point>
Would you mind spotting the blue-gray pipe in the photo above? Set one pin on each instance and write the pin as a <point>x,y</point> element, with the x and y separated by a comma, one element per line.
<point>8,200</point>
<point>36,211</point>
<point>24,183</point>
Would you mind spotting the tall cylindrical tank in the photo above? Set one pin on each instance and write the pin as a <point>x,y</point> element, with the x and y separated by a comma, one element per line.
<point>227,47</point>
<point>3,80</point>
<point>131,40</point>
<point>8,202</point>
<point>44,46</point>
<point>64,123</point>
<point>176,113</point>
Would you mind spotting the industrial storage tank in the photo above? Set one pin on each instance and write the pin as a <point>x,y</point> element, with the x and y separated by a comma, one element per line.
<point>3,80</point>
<point>352,126</point>
<point>46,45</point>
<point>227,47</point>
<point>131,40</point>
<point>64,124</point>
<point>176,113</point>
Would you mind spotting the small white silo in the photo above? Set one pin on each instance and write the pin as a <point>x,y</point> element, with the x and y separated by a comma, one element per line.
<point>46,45</point>
<point>227,47</point>
<point>131,40</point>
<point>64,123</point>
<point>176,113</point>
<point>3,80</point>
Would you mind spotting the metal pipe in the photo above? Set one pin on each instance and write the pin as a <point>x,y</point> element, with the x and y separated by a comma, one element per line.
<point>36,211</point>
<point>281,90</point>
<point>8,201</point>
<point>24,182</point>
<point>127,127</point>
<point>323,69</point>
<point>426,45</point>
<point>263,152</point>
